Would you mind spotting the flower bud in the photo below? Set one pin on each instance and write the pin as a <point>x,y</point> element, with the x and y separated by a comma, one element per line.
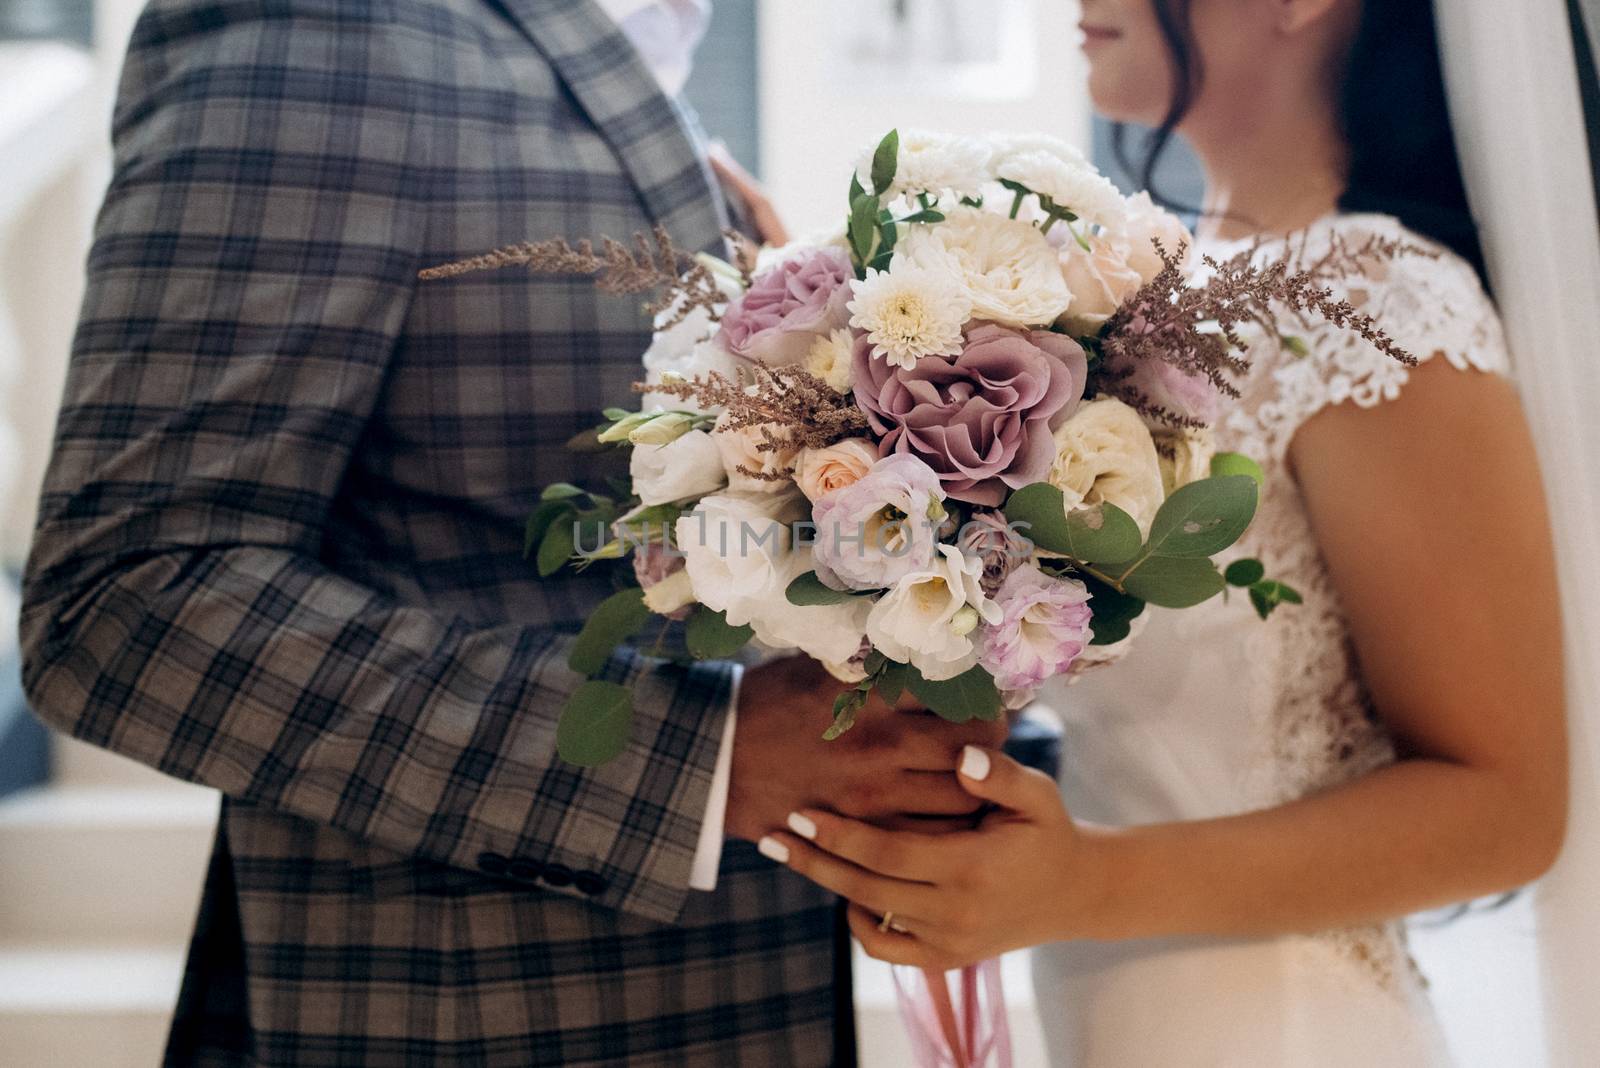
<point>663,429</point>
<point>964,622</point>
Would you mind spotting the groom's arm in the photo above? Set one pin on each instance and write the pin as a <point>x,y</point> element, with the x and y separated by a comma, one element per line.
<point>254,264</point>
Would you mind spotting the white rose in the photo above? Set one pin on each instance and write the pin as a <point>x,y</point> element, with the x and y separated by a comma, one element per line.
<point>1007,266</point>
<point>736,550</point>
<point>1143,223</point>
<point>681,470</point>
<point>1185,456</point>
<point>818,472</point>
<point>1105,453</point>
<point>829,633</point>
<point>677,354</point>
<point>741,449</point>
<point>928,618</point>
<point>1100,280</point>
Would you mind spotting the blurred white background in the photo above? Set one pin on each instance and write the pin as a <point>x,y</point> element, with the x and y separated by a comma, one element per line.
<point>100,867</point>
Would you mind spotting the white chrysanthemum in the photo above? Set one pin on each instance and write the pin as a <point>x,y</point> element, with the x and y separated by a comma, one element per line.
<point>934,163</point>
<point>1010,270</point>
<point>1009,145</point>
<point>909,312</point>
<point>1074,185</point>
<point>832,359</point>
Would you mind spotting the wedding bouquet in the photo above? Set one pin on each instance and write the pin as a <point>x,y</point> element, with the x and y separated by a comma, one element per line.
<point>955,449</point>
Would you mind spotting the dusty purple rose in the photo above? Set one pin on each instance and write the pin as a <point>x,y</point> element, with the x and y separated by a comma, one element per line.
<point>983,419</point>
<point>989,537</point>
<point>786,309</point>
<point>1043,628</point>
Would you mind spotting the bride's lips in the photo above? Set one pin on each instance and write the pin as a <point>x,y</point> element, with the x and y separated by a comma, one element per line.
<point>1097,35</point>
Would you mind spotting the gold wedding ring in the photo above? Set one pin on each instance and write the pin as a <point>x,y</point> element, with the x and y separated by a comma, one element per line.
<point>887,924</point>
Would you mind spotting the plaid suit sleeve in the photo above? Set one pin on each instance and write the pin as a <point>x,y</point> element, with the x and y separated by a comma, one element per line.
<point>252,270</point>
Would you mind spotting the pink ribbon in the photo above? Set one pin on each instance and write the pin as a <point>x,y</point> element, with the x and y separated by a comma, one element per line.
<point>969,1030</point>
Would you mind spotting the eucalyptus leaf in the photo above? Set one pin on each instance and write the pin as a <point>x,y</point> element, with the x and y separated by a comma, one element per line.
<point>886,162</point>
<point>845,707</point>
<point>808,591</point>
<point>1113,612</point>
<point>1244,573</point>
<point>540,521</point>
<point>970,695</point>
<point>710,636</point>
<point>1203,518</point>
<point>595,724</point>
<point>1225,464</point>
<point>892,681</point>
<point>616,619</point>
<point>561,491</point>
<point>555,548</point>
<point>1174,582</point>
<point>1099,534</point>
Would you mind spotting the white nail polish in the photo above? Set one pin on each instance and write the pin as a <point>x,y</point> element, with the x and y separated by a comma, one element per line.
<point>773,849</point>
<point>974,763</point>
<point>803,826</point>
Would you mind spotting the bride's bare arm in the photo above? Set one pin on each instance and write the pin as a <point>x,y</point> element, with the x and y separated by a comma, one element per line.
<point>1431,516</point>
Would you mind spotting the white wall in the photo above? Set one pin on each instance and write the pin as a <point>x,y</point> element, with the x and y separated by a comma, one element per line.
<point>814,122</point>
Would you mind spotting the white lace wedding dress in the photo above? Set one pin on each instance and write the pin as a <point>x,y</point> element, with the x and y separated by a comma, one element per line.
<point>1215,713</point>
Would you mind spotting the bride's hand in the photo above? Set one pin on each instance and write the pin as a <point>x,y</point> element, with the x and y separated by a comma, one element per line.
<point>1025,876</point>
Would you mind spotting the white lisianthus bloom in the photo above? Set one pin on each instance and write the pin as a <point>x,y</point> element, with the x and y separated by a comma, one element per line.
<point>683,469</point>
<point>909,312</point>
<point>1185,456</point>
<point>928,618</point>
<point>742,453</point>
<point>1073,185</point>
<point>1105,453</point>
<point>832,359</point>
<point>933,163</point>
<point>1008,268</point>
<point>736,549</point>
<point>830,633</point>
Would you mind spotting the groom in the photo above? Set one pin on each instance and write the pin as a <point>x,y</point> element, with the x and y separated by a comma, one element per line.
<point>280,554</point>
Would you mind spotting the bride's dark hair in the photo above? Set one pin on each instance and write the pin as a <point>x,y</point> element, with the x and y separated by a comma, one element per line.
<point>1392,107</point>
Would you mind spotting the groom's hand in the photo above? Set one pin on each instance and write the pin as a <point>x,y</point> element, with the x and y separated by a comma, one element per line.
<point>896,763</point>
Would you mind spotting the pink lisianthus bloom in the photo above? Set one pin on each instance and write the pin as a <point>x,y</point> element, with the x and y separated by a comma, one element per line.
<point>785,310</point>
<point>877,530</point>
<point>1043,628</point>
<point>982,420</point>
<point>1191,397</point>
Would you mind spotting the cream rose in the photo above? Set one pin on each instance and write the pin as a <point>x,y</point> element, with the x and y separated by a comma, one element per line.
<point>818,472</point>
<point>741,452</point>
<point>928,619</point>
<point>1185,456</point>
<point>1007,266</point>
<point>689,467</point>
<point>1100,280</point>
<point>1143,223</point>
<point>1105,453</point>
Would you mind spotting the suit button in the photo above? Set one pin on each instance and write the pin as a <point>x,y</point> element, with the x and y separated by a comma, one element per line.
<point>589,883</point>
<point>492,864</point>
<point>558,875</point>
<point>526,871</point>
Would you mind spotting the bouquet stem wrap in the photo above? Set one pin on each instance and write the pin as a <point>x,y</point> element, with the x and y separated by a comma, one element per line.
<point>966,1030</point>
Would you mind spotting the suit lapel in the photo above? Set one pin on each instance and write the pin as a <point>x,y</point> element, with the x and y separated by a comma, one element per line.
<point>644,128</point>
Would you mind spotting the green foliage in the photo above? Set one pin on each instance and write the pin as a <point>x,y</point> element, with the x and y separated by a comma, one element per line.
<point>1099,534</point>
<point>808,591</point>
<point>1203,518</point>
<point>1114,612</point>
<point>845,708</point>
<point>970,695</point>
<point>710,636</point>
<point>886,162</point>
<point>1268,594</point>
<point>1174,581</point>
<point>618,618</point>
<point>1245,573</point>
<point>595,724</point>
<point>557,546</point>
<point>1227,464</point>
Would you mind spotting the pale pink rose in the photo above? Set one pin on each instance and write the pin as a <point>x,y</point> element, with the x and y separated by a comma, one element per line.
<point>819,472</point>
<point>751,468</point>
<point>1100,280</point>
<point>1142,226</point>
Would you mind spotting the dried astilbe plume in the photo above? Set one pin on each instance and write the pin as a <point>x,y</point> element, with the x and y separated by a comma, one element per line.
<point>789,407</point>
<point>651,264</point>
<point>1195,328</point>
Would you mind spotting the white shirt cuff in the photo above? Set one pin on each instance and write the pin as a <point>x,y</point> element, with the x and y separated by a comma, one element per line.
<point>708,853</point>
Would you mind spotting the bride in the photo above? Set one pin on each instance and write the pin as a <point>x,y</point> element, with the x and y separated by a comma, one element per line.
<point>1254,805</point>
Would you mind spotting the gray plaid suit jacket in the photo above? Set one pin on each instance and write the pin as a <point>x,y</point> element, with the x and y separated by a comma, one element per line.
<point>280,549</point>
